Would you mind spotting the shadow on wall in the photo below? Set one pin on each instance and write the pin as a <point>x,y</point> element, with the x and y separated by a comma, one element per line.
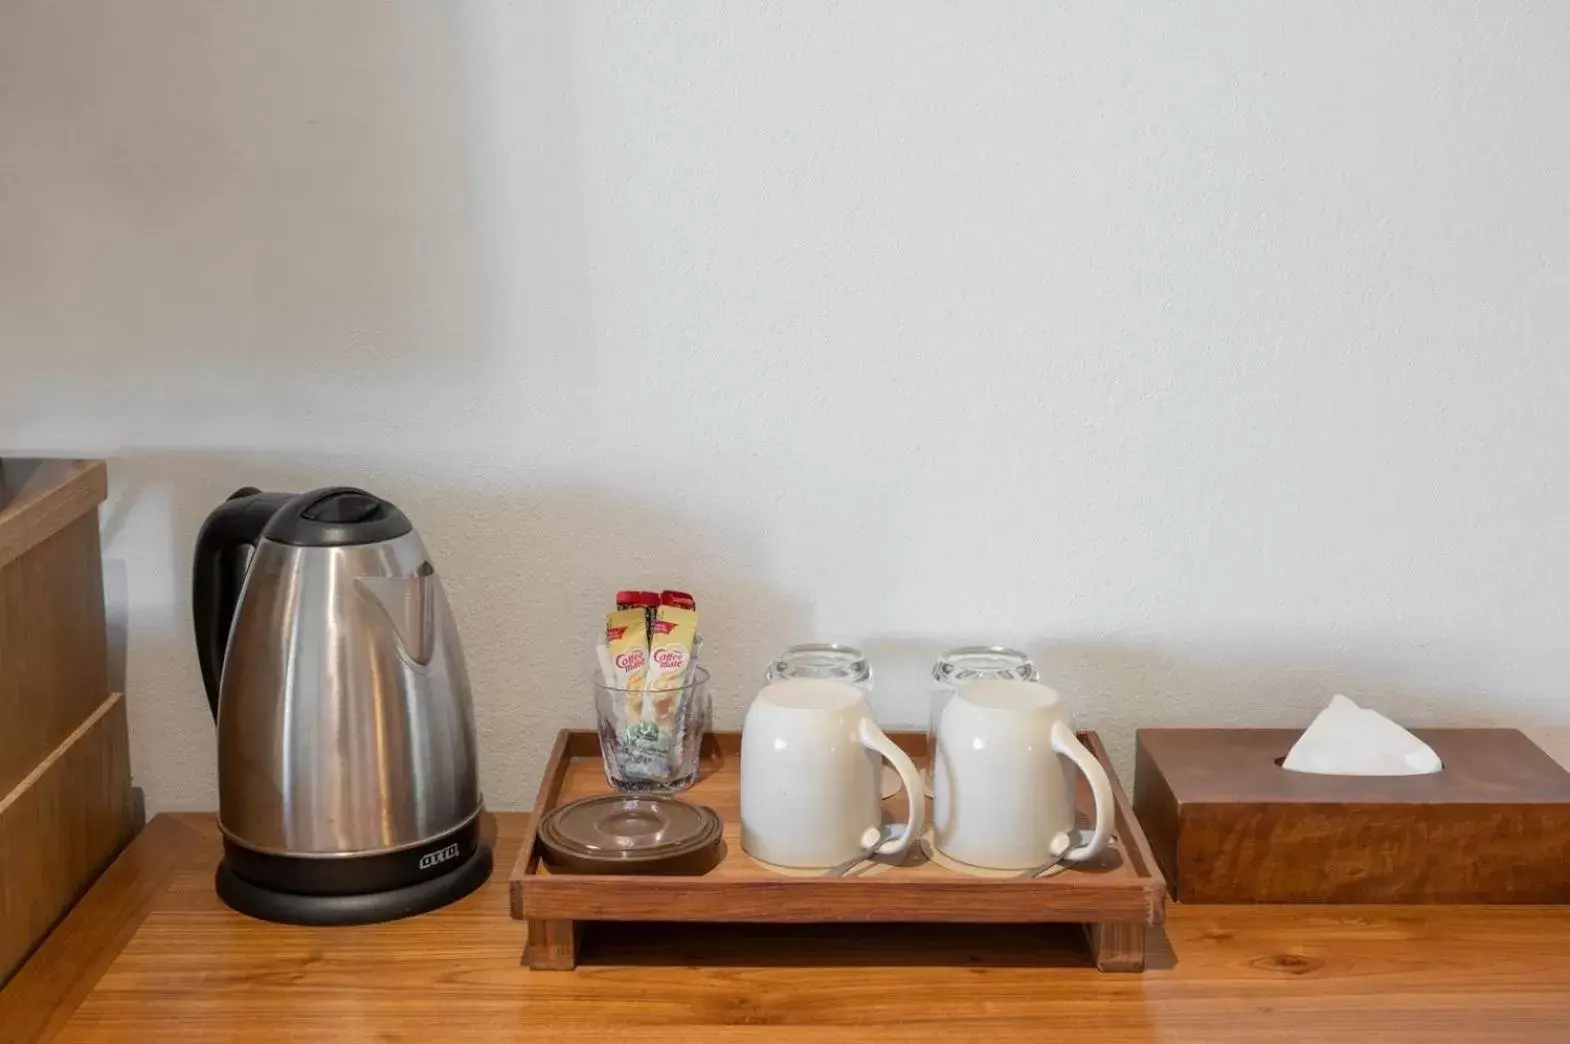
<point>207,199</point>
<point>530,575</point>
<point>1116,688</point>
<point>532,571</point>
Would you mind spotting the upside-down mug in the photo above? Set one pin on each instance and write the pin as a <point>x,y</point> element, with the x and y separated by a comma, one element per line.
<point>1002,785</point>
<point>810,769</point>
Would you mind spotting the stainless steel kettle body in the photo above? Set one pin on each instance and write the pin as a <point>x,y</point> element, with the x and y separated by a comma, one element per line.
<point>346,746</point>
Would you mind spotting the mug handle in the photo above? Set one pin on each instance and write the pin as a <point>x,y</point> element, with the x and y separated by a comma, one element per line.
<point>875,739</point>
<point>1066,743</point>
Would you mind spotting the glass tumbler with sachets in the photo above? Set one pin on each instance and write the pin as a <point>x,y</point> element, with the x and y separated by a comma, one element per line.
<point>651,698</point>
<point>650,739</point>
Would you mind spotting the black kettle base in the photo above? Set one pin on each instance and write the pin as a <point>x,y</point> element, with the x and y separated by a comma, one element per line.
<point>266,904</point>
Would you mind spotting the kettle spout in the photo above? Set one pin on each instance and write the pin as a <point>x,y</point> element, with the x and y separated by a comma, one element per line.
<point>409,603</point>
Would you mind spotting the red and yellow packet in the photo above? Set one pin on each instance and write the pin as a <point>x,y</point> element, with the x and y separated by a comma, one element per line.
<point>670,656</point>
<point>627,638</point>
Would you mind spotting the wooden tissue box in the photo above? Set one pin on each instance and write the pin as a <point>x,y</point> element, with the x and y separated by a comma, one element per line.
<point>1229,825</point>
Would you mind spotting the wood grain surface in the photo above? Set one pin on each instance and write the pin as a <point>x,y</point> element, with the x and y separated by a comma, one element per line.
<point>1123,887</point>
<point>188,970</point>
<point>45,992</point>
<point>59,826</point>
<point>65,800</point>
<point>45,496</point>
<point>54,648</point>
<point>1230,825</point>
<point>1481,767</point>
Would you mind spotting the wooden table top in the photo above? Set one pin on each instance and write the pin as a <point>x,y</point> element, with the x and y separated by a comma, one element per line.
<point>150,954</point>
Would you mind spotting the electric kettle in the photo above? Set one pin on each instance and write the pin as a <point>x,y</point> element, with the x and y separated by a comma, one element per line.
<point>347,785</point>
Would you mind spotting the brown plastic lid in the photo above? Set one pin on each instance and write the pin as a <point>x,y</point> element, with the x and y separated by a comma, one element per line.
<point>631,834</point>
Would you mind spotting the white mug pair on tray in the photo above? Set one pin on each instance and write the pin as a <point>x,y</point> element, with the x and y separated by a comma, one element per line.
<point>1003,797</point>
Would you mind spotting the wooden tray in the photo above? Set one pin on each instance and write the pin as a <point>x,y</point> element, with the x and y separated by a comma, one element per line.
<point>1115,903</point>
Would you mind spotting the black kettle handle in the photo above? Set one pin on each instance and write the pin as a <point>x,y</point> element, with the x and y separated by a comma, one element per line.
<point>218,573</point>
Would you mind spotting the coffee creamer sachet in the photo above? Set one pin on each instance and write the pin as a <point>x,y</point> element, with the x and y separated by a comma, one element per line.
<point>626,637</point>
<point>670,658</point>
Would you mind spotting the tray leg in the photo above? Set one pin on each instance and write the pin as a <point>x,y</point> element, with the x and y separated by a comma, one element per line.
<point>1117,946</point>
<point>552,944</point>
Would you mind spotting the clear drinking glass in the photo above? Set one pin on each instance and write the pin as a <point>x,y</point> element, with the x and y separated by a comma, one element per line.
<point>969,663</point>
<point>822,660</point>
<point>650,740</point>
<point>973,662</point>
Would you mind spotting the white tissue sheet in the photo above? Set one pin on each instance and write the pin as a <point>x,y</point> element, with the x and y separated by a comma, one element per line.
<point>1348,740</point>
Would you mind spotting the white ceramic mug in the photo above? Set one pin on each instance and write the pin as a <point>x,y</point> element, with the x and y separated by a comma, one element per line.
<point>810,771</point>
<point>1002,795</point>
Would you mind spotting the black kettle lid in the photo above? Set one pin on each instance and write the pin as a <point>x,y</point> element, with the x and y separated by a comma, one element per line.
<point>336,516</point>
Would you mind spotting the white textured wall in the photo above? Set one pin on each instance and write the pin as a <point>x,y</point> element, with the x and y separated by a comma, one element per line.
<point>1219,354</point>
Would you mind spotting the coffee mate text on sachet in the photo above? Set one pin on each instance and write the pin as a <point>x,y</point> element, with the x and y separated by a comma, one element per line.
<point>670,654</point>
<point>627,638</point>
